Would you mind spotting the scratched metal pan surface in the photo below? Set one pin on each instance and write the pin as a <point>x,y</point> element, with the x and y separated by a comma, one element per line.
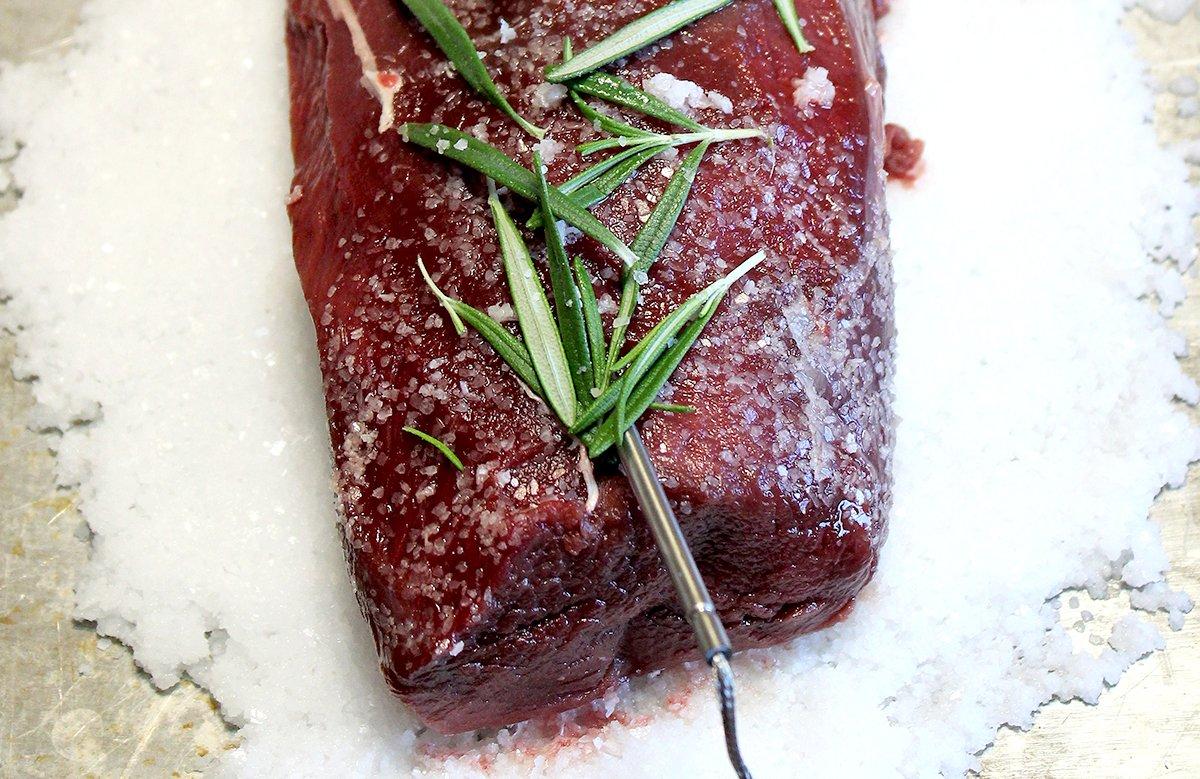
<point>74,706</point>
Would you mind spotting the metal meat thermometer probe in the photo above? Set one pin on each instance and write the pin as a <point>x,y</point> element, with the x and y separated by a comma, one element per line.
<point>693,595</point>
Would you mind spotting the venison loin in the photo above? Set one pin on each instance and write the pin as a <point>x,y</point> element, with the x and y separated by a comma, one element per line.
<point>493,593</point>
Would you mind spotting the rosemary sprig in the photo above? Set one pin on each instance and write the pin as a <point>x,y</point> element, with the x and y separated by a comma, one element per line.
<point>639,33</point>
<point>651,347</point>
<point>567,303</point>
<point>618,91</point>
<point>608,166</point>
<point>495,164</point>
<point>534,317</point>
<point>653,367</point>
<point>564,356</point>
<point>650,363</point>
<point>787,13</point>
<point>446,451</point>
<point>600,438</point>
<point>452,39</point>
<point>653,235</point>
<point>649,243</point>
<point>512,351</point>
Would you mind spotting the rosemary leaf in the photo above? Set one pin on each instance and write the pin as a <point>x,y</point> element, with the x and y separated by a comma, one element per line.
<point>512,351</point>
<point>452,39</point>
<point>637,349</point>
<point>706,301</point>
<point>673,408</point>
<point>599,181</point>
<point>595,411</point>
<point>618,174</point>
<point>787,13</point>
<point>631,355</point>
<point>649,243</point>
<point>600,170</point>
<point>534,317</point>
<point>591,319</point>
<point>604,144</point>
<point>602,121</point>
<point>446,451</point>
<point>653,235</point>
<point>605,184</point>
<point>572,332</point>
<point>495,164</point>
<point>446,301</point>
<point>637,34</point>
<point>618,91</point>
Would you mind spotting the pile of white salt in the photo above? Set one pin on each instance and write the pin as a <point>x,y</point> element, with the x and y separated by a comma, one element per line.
<point>150,276</point>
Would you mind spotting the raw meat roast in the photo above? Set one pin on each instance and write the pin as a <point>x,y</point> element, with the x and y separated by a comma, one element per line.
<point>493,594</point>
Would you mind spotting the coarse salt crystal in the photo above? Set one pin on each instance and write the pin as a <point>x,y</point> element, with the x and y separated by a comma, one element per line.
<point>684,95</point>
<point>547,96</point>
<point>507,33</point>
<point>548,148</point>
<point>814,88</point>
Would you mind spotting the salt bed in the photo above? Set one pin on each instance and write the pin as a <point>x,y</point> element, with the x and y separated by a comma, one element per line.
<point>151,284</point>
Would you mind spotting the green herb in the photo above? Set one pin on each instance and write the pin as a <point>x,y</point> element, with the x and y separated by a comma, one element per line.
<point>509,348</point>
<point>787,12</point>
<point>564,356</point>
<point>618,174</point>
<point>495,164</point>
<point>605,184</point>
<point>650,363</point>
<point>618,91</point>
<point>595,411</point>
<point>446,451</point>
<point>534,317</point>
<point>649,243</point>
<point>673,408</point>
<point>633,36</point>
<point>591,319</point>
<point>642,357</point>
<point>600,438</point>
<point>567,303</point>
<point>452,39</point>
<point>599,181</point>
<point>608,124</point>
<point>447,302</point>
<point>655,343</point>
<point>674,139</point>
<point>653,367</point>
<point>606,167</point>
<point>653,236</point>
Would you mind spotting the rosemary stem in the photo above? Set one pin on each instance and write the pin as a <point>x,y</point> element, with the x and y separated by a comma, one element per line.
<point>658,140</point>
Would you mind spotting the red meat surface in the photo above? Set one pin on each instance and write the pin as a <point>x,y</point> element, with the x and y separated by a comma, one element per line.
<point>493,594</point>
